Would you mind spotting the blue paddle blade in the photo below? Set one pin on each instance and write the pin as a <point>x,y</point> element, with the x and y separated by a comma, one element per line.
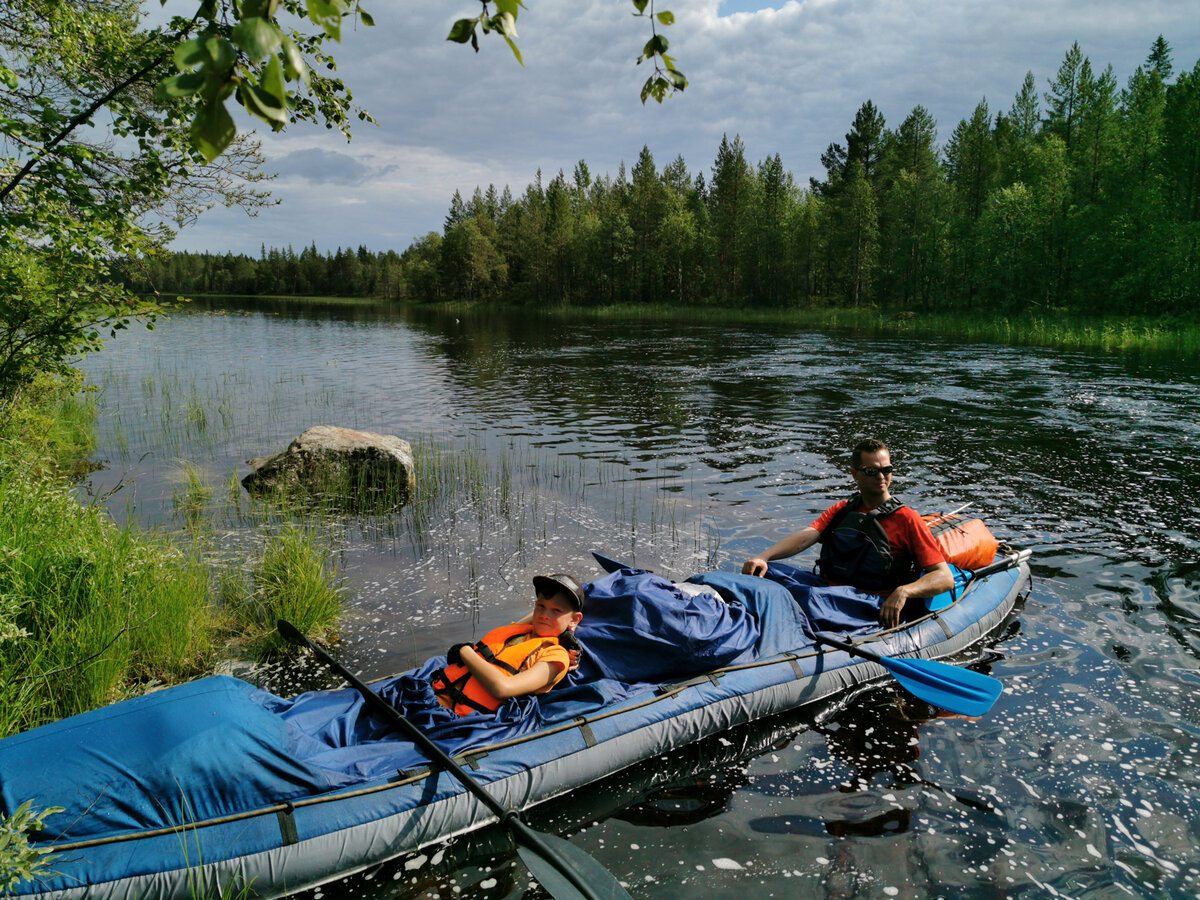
<point>962,691</point>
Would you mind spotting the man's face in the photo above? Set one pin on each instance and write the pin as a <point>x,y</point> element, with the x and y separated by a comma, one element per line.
<point>873,487</point>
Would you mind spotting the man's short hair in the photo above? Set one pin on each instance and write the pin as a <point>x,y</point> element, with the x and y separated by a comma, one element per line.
<point>870,445</point>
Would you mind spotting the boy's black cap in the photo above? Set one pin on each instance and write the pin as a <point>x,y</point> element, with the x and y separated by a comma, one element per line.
<point>560,583</point>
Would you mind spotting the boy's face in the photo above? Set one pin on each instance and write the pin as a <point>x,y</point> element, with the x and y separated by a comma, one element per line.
<point>554,615</point>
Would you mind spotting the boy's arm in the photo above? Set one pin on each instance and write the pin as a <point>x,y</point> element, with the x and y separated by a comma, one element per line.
<point>540,675</point>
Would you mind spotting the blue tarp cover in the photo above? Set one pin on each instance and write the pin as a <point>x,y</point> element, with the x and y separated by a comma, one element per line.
<point>184,754</point>
<point>220,746</point>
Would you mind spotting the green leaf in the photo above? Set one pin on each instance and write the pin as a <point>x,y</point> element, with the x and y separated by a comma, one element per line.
<point>221,54</point>
<point>655,87</point>
<point>366,18</point>
<point>263,104</point>
<point>9,77</point>
<point>678,82</point>
<point>272,81</point>
<point>327,14</point>
<point>462,30</point>
<point>293,61</point>
<point>257,37</point>
<point>212,130</point>
<point>505,24</point>
<point>641,5</point>
<point>268,98</point>
<point>656,45</point>
<point>182,85</point>
<point>516,51</point>
<point>191,53</point>
<point>666,17</point>
<point>265,9</point>
<point>512,7</point>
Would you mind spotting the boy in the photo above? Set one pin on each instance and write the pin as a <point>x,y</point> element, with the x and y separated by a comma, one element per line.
<point>527,657</point>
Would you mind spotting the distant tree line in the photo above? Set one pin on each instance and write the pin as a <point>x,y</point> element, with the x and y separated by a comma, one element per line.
<point>1086,196</point>
<point>274,272</point>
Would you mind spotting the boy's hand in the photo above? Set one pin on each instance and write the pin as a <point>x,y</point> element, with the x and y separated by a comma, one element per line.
<point>453,657</point>
<point>570,643</point>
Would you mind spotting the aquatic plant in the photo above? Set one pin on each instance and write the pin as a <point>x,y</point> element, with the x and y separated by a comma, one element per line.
<point>192,496</point>
<point>294,578</point>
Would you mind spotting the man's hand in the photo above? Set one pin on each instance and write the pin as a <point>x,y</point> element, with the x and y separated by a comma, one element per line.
<point>893,606</point>
<point>756,566</point>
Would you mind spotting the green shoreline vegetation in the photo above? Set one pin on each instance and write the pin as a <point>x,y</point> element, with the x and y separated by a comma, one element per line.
<point>91,612</point>
<point>1057,329</point>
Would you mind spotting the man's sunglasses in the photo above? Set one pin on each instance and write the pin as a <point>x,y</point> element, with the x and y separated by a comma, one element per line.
<point>871,471</point>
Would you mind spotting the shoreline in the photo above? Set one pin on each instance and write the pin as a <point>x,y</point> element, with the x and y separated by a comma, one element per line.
<point>1053,329</point>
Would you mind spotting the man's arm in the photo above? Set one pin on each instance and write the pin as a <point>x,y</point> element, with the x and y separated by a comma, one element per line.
<point>935,580</point>
<point>501,686</point>
<point>791,545</point>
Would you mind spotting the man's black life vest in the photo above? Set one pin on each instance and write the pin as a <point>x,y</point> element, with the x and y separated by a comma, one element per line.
<point>855,549</point>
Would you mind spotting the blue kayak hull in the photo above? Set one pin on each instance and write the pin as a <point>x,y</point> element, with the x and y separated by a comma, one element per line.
<point>314,833</point>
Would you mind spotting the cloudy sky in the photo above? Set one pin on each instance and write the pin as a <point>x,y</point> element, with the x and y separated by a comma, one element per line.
<point>787,79</point>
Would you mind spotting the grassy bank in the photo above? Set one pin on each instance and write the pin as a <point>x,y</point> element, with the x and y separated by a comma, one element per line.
<point>1125,334</point>
<point>91,613</point>
<point>1050,328</point>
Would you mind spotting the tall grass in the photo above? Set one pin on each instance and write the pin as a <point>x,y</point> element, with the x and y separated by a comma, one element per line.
<point>192,497</point>
<point>294,578</point>
<point>88,611</point>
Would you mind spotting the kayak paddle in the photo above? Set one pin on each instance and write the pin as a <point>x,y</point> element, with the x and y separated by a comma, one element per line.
<point>962,691</point>
<point>565,871</point>
<point>956,690</point>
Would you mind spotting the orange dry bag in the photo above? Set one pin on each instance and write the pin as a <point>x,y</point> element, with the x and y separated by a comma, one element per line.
<point>967,543</point>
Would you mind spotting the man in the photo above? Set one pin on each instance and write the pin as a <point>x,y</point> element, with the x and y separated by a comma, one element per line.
<point>871,541</point>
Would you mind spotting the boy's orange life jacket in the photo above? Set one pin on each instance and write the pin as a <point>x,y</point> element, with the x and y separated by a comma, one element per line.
<point>467,695</point>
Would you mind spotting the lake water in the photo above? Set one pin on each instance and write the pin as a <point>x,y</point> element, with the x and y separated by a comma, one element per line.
<point>684,448</point>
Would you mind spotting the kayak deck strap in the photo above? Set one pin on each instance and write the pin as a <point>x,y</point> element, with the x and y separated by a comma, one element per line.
<point>675,687</point>
<point>471,760</point>
<point>589,736</point>
<point>287,824</point>
<point>945,628</point>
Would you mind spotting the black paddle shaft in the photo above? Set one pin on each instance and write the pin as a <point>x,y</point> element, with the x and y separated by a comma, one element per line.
<point>509,818</point>
<point>852,649</point>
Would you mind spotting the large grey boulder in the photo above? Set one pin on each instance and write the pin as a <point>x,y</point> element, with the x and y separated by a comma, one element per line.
<point>359,466</point>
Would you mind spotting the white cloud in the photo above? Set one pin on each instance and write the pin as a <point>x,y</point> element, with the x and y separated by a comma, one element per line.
<point>788,80</point>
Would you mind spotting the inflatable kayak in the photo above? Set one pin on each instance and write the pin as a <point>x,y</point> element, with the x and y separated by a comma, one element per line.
<point>217,785</point>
